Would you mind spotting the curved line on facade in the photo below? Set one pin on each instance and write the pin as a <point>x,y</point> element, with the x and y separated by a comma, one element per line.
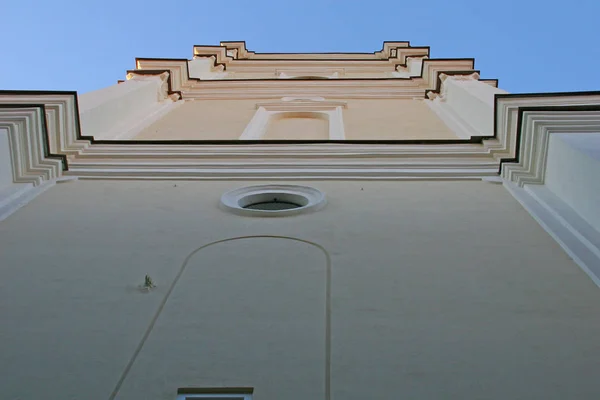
<point>182,270</point>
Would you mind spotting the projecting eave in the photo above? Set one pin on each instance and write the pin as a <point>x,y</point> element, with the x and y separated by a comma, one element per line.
<point>230,69</point>
<point>50,133</point>
<point>524,123</point>
<point>427,80</point>
<point>390,49</point>
<point>86,157</point>
<point>395,53</point>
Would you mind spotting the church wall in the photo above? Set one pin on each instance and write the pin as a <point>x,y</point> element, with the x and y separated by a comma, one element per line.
<point>571,166</point>
<point>393,119</point>
<point>307,126</point>
<point>376,119</point>
<point>6,175</point>
<point>437,290</point>
<point>203,120</point>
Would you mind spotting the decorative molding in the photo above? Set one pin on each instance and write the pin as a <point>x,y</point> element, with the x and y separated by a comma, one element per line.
<point>31,159</point>
<point>472,157</point>
<point>440,90</point>
<point>329,88</point>
<point>177,68</point>
<point>524,122</point>
<point>36,123</point>
<point>331,110</point>
<point>390,50</point>
<point>464,103</point>
<point>376,75</point>
<point>311,200</point>
<point>442,159</point>
<point>284,160</point>
<point>61,114</point>
<point>412,68</point>
<point>474,76</point>
<point>302,104</point>
<point>529,165</point>
<point>239,48</point>
<point>337,159</point>
<point>166,89</point>
<point>217,53</point>
<point>325,73</point>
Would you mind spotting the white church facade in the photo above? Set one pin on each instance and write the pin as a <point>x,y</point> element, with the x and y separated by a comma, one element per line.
<point>245,225</point>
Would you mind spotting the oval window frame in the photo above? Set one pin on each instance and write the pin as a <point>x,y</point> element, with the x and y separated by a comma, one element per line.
<point>309,198</point>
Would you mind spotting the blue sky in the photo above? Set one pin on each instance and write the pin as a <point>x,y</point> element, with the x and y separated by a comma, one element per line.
<point>530,45</point>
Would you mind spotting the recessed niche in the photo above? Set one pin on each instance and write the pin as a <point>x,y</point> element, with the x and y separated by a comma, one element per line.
<point>298,126</point>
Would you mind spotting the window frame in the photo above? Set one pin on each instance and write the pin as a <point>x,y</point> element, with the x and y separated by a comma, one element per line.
<point>215,393</point>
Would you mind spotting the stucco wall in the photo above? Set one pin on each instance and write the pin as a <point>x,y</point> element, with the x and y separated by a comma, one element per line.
<point>203,120</point>
<point>438,290</point>
<point>393,119</point>
<point>387,119</point>
<point>571,166</point>
<point>307,126</point>
<point>6,175</point>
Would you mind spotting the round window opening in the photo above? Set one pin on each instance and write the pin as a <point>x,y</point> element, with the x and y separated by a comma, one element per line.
<point>273,200</point>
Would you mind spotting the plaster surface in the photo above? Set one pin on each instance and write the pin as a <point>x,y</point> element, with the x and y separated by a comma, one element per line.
<point>298,127</point>
<point>6,174</point>
<point>203,120</point>
<point>438,290</point>
<point>386,119</point>
<point>257,305</point>
<point>473,102</point>
<point>393,119</point>
<point>572,167</point>
<point>118,107</point>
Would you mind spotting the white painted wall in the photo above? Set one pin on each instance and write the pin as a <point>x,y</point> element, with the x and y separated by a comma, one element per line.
<point>572,173</point>
<point>438,290</point>
<point>466,105</point>
<point>472,101</point>
<point>112,112</point>
<point>6,174</point>
<point>12,195</point>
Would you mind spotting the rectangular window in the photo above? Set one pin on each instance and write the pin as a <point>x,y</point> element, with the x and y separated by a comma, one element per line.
<point>214,394</point>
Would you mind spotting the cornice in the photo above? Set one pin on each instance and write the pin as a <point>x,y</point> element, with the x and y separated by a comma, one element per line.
<point>428,81</point>
<point>335,159</point>
<point>524,122</point>
<point>522,126</point>
<point>217,53</point>
<point>301,104</point>
<point>61,115</point>
<point>440,89</point>
<point>31,159</point>
<point>390,50</point>
<point>234,56</point>
<point>285,161</point>
<point>330,88</point>
<point>42,128</point>
<point>164,75</point>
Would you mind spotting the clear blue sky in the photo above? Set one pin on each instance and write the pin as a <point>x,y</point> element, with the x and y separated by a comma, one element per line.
<point>530,45</point>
